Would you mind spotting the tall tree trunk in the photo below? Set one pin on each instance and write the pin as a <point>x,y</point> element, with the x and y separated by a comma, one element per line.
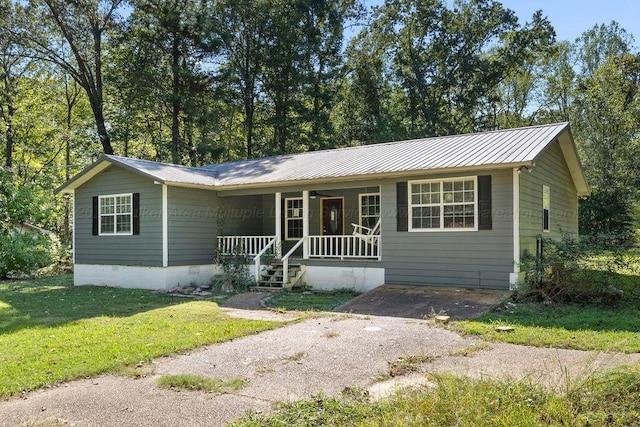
<point>9,136</point>
<point>175,101</point>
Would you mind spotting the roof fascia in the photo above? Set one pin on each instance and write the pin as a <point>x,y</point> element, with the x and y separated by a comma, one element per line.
<point>94,169</point>
<point>89,172</point>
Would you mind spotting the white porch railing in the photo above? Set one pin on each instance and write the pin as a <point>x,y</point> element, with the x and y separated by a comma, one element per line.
<point>243,245</point>
<point>342,247</point>
<point>285,262</point>
<point>257,259</point>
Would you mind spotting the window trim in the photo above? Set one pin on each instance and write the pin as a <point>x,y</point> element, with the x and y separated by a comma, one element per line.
<point>546,219</point>
<point>287,219</point>
<point>114,215</point>
<point>360,196</point>
<point>441,229</point>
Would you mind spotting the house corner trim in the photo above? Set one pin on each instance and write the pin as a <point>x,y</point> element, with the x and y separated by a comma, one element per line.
<point>165,227</point>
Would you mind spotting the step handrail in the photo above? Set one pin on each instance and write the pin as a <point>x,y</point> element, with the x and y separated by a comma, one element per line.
<point>256,259</point>
<point>285,261</point>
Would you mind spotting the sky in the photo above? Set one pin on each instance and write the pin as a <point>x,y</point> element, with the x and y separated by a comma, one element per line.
<point>571,18</point>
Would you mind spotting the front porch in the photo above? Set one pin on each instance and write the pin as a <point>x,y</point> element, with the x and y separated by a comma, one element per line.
<point>293,229</point>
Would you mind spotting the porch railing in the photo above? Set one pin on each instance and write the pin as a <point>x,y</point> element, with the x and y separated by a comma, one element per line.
<point>257,259</point>
<point>342,247</point>
<point>243,245</point>
<point>285,262</point>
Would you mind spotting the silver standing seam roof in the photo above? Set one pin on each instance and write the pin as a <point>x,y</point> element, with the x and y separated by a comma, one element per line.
<point>494,149</point>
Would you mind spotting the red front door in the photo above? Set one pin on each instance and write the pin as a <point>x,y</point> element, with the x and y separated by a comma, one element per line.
<point>332,217</point>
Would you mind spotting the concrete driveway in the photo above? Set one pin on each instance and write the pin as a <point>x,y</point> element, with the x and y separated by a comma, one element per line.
<point>419,302</point>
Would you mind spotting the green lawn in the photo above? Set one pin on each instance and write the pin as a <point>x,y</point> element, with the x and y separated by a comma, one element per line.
<point>310,301</point>
<point>51,331</point>
<point>562,326</point>
<point>603,327</point>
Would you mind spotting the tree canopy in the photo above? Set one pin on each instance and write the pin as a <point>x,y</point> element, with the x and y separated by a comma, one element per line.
<point>201,81</point>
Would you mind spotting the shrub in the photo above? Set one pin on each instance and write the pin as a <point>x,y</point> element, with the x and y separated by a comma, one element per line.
<point>23,253</point>
<point>565,271</point>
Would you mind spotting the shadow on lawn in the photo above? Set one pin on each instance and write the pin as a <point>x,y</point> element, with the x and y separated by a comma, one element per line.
<point>54,300</point>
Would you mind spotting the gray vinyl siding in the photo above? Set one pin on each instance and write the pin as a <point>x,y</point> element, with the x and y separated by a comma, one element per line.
<point>144,249</point>
<point>192,223</point>
<point>550,169</point>
<point>241,215</point>
<point>481,258</point>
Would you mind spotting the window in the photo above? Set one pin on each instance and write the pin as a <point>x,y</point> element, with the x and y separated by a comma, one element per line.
<point>369,209</point>
<point>293,218</point>
<point>546,203</point>
<point>116,215</point>
<point>443,204</point>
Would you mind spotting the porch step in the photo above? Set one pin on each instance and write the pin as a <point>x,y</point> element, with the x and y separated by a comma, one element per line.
<point>273,275</point>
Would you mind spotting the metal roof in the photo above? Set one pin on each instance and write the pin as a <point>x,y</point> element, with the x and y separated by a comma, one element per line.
<point>495,149</point>
<point>504,148</point>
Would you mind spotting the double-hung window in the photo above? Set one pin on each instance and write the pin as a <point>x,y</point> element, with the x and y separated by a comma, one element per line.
<point>293,218</point>
<point>369,209</point>
<point>443,204</point>
<point>116,215</point>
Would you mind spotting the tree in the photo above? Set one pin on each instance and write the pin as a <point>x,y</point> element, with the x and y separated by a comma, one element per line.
<point>179,39</point>
<point>83,27</point>
<point>14,64</point>
<point>449,61</point>
<point>244,53</point>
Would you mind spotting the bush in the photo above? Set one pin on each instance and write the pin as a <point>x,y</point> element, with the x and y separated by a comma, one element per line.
<point>566,271</point>
<point>23,253</point>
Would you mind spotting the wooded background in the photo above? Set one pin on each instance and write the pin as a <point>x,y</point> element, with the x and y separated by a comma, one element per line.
<point>202,81</point>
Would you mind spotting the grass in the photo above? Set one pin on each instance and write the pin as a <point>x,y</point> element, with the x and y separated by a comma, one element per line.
<point>570,326</point>
<point>310,301</point>
<point>192,382</point>
<point>52,332</point>
<point>602,327</point>
<point>606,399</point>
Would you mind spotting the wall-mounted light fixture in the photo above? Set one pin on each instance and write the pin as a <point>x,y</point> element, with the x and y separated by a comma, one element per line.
<point>525,168</point>
<point>314,194</point>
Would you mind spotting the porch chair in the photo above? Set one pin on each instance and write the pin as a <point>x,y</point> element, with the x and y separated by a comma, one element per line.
<point>367,234</point>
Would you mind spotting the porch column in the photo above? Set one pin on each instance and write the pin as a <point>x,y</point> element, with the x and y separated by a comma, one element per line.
<point>305,224</point>
<point>278,220</point>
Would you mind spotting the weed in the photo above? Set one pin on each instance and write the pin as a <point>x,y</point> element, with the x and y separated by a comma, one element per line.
<point>191,382</point>
<point>296,357</point>
<point>470,350</point>
<point>331,334</point>
<point>408,364</point>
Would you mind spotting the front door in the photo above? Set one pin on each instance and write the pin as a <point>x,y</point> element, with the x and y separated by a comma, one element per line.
<point>332,216</point>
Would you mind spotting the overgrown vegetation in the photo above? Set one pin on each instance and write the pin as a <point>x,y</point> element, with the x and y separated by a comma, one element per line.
<point>573,298</point>
<point>22,250</point>
<point>568,270</point>
<point>192,382</point>
<point>51,331</point>
<point>608,398</point>
<point>310,300</point>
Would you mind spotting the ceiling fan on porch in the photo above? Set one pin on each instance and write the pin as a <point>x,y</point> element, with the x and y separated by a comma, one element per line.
<point>314,194</point>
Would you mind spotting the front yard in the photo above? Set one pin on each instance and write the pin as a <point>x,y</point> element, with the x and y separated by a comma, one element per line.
<point>52,332</point>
